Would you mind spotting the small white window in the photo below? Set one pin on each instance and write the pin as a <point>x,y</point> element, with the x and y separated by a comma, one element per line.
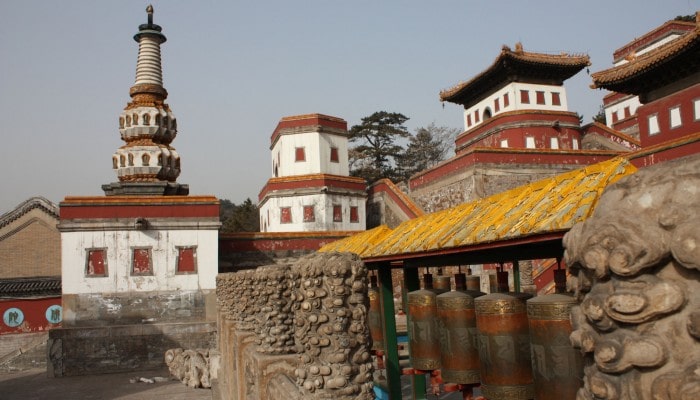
<point>675,117</point>
<point>653,125</point>
<point>530,142</point>
<point>553,143</point>
<point>696,106</point>
<point>504,143</point>
<point>574,143</point>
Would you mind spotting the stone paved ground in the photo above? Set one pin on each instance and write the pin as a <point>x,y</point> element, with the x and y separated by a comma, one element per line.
<point>35,385</point>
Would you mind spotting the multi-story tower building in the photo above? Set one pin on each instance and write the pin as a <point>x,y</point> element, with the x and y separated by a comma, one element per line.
<point>145,256</point>
<point>666,84</point>
<point>518,129</point>
<point>310,188</point>
<point>621,108</point>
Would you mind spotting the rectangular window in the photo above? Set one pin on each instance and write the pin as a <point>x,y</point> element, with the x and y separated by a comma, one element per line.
<point>96,262</point>
<point>525,97</point>
<point>476,116</point>
<point>575,143</point>
<point>556,100</point>
<point>539,96</point>
<point>299,154</point>
<point>186,260</point>
<point>141,261</point>
<point>504,143</point>
<point>627,112</point>
<point>285,215</point>
<point>614,116</point>
<point>530,142</point>
<point>553,143</point>
<point>309,214</point>
<point>506,100</point>
<point>354,214</point>
<point>337,214</point>
<point>696,106</point>
<point>334,155</point>
<point>653,125</point>
<point>675,117</point>
<point>469,120</point>
<point>496,105</point>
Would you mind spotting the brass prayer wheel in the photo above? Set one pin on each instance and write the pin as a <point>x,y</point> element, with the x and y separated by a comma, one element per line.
<point>458,339</point>
<point>423,334</point>
<point>474,282</point>
<point>557,366</point>
<point>374,315</point>
<point>504,347</point>
<point>441,284</point>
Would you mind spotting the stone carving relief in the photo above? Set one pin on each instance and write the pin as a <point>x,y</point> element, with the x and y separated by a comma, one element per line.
<point>275,326</point>
<point>237,295</point>
<point>189,366</point>
<point>315,308</point>
<point>635,267</point>
<point>331,327</point>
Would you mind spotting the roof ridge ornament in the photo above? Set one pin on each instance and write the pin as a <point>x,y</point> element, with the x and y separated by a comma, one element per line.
<point>149,11</point>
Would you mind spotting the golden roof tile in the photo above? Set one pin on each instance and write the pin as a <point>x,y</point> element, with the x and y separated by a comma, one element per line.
<point>546,206</point>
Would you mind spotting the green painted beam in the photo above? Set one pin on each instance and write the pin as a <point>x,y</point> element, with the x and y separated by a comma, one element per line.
<point>411,282</point>
<point>391,351</point>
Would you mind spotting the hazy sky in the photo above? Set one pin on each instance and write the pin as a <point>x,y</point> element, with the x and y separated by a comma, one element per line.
<point>234,68</point>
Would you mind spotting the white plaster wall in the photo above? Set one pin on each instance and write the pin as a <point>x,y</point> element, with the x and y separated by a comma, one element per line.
<point>270,213</point>
<point>119,245</point>
<point>341,167</point>
<point>619,108</point>
<point>318,154</point>
<point>650,47</point>
<point>513,89</point>
<point>286,147</point>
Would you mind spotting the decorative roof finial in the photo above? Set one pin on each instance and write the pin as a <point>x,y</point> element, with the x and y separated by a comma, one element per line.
<point>149,10</point>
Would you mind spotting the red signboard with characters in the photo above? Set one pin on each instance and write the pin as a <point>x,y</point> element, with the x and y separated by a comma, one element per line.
<point>30,315</point>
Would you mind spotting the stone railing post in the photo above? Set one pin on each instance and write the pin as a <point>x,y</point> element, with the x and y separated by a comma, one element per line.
<point>635,267</point>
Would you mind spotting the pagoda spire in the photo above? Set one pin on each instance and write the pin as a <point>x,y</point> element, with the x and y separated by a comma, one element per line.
<point>147,164</point>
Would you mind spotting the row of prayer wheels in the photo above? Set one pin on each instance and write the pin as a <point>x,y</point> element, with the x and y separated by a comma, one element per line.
<point>515,348</point>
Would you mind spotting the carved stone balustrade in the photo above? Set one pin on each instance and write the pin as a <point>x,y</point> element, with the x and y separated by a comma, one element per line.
<point>636,272</point>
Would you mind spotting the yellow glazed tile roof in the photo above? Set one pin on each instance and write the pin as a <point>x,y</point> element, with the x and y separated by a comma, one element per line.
<point>546,206</point>
<point>358,243</point>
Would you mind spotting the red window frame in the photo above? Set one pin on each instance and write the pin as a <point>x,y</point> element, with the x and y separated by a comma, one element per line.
<point>354,214</point>
<point>539,97</point>
<point>186,260</point>
<point>141,261</point>
<point>556,99</point>
<point>96,262</point>
<point>496,105</point>
<point>506,100</point>
<point>285,215</point>
<point>299,154</point>
<point>334,155</point>
<point>525,96</point>
<point>469,120</point>
<point>337,213</point>
<point>476,116</point>
<point>309,214</point>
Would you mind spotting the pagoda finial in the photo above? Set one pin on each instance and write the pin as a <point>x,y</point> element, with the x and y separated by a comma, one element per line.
<point>149,11</point>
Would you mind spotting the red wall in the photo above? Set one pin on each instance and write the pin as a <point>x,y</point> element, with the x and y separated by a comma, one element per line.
<point>661,108</point>
<point>34,311</point>
<point>514,126</point>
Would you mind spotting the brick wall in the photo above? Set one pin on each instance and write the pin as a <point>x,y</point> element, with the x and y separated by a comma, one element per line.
<point>30,246</point>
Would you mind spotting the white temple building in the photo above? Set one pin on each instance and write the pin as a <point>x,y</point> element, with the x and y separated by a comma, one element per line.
<point>310,188</point>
